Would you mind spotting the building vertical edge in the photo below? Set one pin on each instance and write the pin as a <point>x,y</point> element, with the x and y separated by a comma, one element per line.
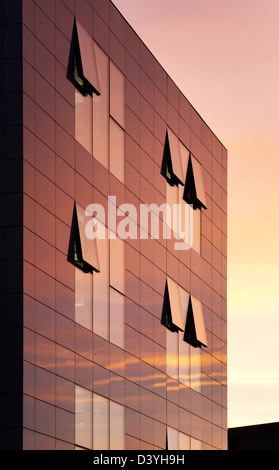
<point>11,225</point>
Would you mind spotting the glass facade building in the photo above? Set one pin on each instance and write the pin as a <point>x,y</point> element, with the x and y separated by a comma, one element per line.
<point>113,336</point>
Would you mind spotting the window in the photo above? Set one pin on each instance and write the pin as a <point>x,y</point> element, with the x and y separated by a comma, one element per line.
<point>172,312</point>
<point>194,192</point>
<point>172,355</point>
<point>83,299</point>
<point>184,177</point>
<point>117,151</point>
<point>179,167</point>
<point>117,264</point>
<point>196,229</point>
<point>184,348</point>
<point>83,418</point>
<point>179,217</point>
<point>117,290</point>
<point>172,168</point>
<point>172,197</point>
<point>184,441</point>
<point>177,440</point>
<point>117,318</point>
<point>99,122</point>
<point>83,120</point>
<point>195,358</point>
<point>196,444</point>
<point>176,300</point>
<point>183,343</point>
<point>184,362</point>
<point>195,333</point>
<point>117,123</point>
<point>117,95</point>
<point>101,288</point>
<point>117,426</point>
<point>172,439</point>
<point>100,422</point>
<point>82,246</point>
<point>83,73</point>
<point>184,153</point>
<point>101,112</point>
<point>82,67</point>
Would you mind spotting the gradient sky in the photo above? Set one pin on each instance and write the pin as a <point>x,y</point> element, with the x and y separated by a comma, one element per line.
<point>224,56</point>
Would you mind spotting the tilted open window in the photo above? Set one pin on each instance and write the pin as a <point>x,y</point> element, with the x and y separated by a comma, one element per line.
<point>180,168</point>
<point>172,168</point>
<point>194,192</point>
<point>82,249</point>
<point>172,312</point>
<point>195,333</point>
<point>82,65</point>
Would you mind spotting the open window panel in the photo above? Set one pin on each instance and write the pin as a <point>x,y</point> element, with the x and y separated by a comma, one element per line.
<point>82,251</point>
<point>172,168</point>
<point>82,65</point>
<point>194,192</point>
<point>172,317</point>
<point>195,333</point>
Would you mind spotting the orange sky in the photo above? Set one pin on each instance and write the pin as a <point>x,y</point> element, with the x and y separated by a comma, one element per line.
<point>224,56</point>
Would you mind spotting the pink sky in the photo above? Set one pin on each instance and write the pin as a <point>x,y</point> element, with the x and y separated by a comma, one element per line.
<point>224,56</point>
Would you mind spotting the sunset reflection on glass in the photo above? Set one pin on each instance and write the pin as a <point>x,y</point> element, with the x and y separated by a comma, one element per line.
<point>116,225</point>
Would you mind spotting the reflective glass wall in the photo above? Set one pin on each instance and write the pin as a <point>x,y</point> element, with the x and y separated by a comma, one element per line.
<point>101,369</point>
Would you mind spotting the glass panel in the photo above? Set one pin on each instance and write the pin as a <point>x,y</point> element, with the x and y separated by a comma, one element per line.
<point>117,264</point>
<point>100,423</point>
<point>185,220</point>
<point>199,183</point>
<point>184,300</point>
<point>184,442</point>
<point>101,290</point>
<point>184,348</point>
<point>117,318</point>
<point>195,444</point>
<point>175,154</point>
<point>196,230</point>
<point>117,151</point>
<point>117,426</point>
<point>83,120</point>
<point>88,244</point>
<point>88,59</point>
<point>199,321</point>
<point>184,361</point>
<point>184,159</point>
<point>101,111</point>
<point>83,298</point>
<point>172,196</point>
<point>173,441</point>
<point>117,95</point>
<point>172,354</point>
<point>83,418</point>
<point>196,369</point>
<point>175,304</point>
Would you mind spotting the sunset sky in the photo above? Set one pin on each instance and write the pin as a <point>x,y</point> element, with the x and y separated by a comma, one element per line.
<point>224,56</point>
